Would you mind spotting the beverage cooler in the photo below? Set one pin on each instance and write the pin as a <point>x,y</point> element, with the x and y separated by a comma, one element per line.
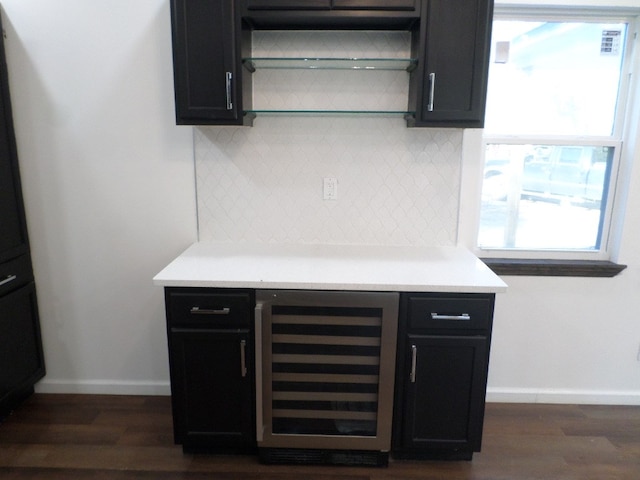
<point>325,376</point>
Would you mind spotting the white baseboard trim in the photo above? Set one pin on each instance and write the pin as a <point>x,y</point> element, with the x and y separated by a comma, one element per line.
<point>494,394</point>
<point>103,387</point>
<point>581,397</point>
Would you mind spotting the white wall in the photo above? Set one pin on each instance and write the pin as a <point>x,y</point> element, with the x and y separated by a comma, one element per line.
<point>109,189</point>
<point>108,183</point>
<point>570,339</point>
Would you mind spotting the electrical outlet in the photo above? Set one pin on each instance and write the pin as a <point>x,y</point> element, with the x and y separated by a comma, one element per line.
<point>330,188</point>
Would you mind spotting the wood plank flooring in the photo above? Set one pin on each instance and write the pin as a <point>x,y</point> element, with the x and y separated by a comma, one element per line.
<point>103,437</point>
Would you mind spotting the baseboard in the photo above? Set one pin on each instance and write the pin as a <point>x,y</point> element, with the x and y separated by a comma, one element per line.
<point>497,395</point>
<point>579,397</point>
<point>103,387</point>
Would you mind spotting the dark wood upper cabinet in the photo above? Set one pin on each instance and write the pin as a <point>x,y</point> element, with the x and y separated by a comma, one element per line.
<point>208,81</point>
<point>452,80</point>
<point>450,40</point>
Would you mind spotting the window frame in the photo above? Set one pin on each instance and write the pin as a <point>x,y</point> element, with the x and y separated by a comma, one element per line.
<point>570,262</point>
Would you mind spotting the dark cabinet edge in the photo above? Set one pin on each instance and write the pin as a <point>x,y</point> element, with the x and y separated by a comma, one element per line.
<point>16,394</point>
<point>553,268</point>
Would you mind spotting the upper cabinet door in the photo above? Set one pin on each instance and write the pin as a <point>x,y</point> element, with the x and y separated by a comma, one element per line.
<point>455,67</point>
<point>207,83</point>
<point>13,229</point>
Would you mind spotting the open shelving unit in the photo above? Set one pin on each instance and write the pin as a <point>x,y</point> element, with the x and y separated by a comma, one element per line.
<point>311,63</point>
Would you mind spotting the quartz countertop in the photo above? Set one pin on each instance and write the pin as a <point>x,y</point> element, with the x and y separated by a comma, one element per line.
<point>330,267</point>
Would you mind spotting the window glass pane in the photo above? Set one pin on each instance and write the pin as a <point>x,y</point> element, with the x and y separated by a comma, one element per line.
<point>544,197</point>
<point>554,78</point>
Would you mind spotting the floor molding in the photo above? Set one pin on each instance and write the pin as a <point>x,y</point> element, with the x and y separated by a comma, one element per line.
<point>494,394</point>
<point>104,387</point>
<point>562,396</point>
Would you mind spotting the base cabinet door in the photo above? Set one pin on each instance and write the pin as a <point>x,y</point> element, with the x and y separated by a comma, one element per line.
<point>444,396</point>
<point>442,363</point>
<point>212,395</point>
<point>21,358</point>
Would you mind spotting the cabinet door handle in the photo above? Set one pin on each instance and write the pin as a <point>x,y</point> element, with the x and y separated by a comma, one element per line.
<point>258,370</point>
<point>229,77</point>
<point>432,90</point>
<point>463,316</point>
<point>414,361</point>
<point>210,311</point>
<point>243,358</point>
<point>9,279</point>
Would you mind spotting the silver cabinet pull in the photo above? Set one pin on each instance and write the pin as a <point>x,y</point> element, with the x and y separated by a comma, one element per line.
<point>9,279</point>
<point>210,311</point>
<point>229,102</point>
<point>258,371</point>
<point>464,316</point>
<point>432,90</point>
<point>243,358</point>
<point>414,361</point>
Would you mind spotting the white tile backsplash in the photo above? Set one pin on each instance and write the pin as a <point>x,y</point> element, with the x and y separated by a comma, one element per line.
<point>396,185</point>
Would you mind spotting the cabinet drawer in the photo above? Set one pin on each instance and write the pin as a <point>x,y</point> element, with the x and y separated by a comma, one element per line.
<point>450,312</point>
<point>208,307</point>
<point>15,273</point>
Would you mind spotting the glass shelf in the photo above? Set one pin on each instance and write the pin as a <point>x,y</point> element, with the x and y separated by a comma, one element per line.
<point>407,64</point>
<point>376,113</point>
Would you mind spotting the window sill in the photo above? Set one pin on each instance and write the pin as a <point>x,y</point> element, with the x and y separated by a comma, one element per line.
<point>553,268</point>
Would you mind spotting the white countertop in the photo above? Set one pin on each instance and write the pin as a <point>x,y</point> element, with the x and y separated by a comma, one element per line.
<point>330,267</point>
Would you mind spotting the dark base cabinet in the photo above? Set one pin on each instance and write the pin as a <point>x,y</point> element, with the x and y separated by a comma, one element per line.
<point>440,375</point>
<point>212,369</point>
<point>21,359</point>
<point>442,363</point>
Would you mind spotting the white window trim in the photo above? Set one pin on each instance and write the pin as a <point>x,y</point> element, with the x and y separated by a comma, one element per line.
<point>625,139</point>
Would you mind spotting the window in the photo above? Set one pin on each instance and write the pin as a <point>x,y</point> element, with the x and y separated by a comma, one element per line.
<point>553,136</point>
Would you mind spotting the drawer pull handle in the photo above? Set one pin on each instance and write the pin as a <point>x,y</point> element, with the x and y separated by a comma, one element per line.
<point>209,311</point>
<point>9,279</point>
<point>464,317</point>
<point>414,361</point>
<point>243,358</point>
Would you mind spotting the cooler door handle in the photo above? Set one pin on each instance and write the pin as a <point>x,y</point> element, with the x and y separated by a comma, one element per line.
<point>258,357</point>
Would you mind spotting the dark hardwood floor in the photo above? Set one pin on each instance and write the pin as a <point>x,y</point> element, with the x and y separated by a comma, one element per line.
<point>129,437</point>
